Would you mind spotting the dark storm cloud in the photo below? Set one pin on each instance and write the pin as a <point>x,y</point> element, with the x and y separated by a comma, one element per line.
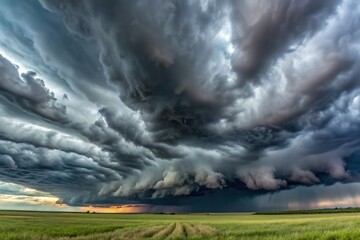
<point>151,57</point>
<point>169,102</point>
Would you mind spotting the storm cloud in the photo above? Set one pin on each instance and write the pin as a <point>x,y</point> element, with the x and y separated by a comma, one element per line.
<point>178,102</point>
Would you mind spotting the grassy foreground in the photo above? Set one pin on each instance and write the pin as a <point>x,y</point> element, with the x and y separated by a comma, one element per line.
<point>38,225</point>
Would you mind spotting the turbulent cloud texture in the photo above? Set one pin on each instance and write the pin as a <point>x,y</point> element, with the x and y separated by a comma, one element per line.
<point>178,102</point>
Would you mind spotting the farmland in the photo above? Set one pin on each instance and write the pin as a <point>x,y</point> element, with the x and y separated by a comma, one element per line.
<point>62,226</point>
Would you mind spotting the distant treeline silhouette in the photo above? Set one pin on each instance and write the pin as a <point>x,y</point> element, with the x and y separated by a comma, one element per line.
<point>312,211</point>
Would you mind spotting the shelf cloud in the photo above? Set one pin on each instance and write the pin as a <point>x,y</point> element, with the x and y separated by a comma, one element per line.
<point>173,103</point>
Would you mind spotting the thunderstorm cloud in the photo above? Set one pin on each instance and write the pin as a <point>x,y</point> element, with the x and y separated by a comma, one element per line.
<point>209,105</point>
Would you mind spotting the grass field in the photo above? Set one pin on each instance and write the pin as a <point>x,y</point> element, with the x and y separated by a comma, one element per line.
<point>38,225</point>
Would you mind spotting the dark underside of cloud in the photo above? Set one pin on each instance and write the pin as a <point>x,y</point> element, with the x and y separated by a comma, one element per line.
<point>203,105</point>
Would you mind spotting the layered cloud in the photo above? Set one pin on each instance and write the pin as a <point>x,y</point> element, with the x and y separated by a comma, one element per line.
<point>169,102</point>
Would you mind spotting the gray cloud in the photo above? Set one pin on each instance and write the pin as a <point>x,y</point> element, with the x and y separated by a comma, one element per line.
<point>165,102</point>
<point>265,31</point>
<point>29,93</point>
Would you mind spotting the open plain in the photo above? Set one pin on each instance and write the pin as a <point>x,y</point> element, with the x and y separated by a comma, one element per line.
<point>61,226</point>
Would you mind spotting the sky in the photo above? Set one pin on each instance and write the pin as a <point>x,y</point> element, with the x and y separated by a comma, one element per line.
<point>179,106</point>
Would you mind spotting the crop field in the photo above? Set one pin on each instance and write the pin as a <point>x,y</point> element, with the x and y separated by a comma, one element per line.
<point>61,226</point>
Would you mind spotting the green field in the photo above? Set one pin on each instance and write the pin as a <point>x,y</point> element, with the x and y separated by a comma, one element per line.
<point>42,225</point>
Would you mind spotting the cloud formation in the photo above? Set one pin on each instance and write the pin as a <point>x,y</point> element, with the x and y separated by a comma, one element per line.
<point>167,102</point>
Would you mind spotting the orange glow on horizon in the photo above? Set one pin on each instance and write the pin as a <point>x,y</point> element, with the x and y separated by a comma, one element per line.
<point>126,208</point>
